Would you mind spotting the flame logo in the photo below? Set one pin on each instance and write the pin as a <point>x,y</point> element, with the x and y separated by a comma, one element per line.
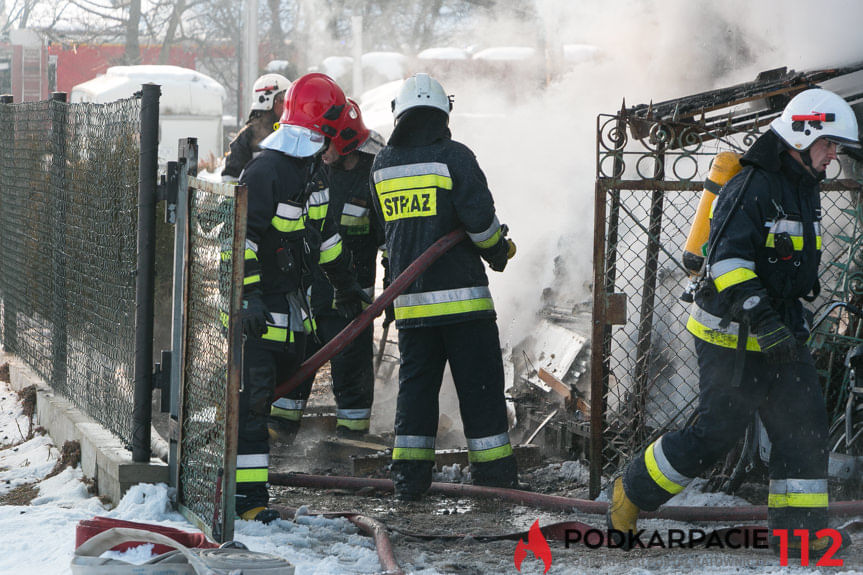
<point>537,544</point>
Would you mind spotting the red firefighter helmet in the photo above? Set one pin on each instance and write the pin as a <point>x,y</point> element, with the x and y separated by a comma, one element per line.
<point>352,133</point>
<point>314,105</point>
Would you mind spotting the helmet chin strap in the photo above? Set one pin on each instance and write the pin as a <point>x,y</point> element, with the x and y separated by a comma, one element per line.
<point>807,159</point>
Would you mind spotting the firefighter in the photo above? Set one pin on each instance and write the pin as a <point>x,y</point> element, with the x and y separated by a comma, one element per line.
<point>750,328</point>
<point>427,185</point>
<point>281,252</point>
<point>343,196</point>
<point>268,101</point>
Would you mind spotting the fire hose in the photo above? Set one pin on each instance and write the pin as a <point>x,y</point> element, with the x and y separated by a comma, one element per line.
<point>552,502</point>
<point>347,335</point>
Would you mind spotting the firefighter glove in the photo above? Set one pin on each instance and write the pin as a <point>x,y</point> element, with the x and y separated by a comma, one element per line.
<point>348,300</point>
<point>777,342</point>
<point>498,255</point>
<point>255,316</point>
<point>510,252</point>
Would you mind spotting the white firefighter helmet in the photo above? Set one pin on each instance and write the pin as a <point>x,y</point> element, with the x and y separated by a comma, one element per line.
<point>814,114</point>
<point>265,89</point>
<point>421,90</point>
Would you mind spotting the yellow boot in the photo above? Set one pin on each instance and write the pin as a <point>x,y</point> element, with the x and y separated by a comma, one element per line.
<point>622,514</point>
<point>261,514</point>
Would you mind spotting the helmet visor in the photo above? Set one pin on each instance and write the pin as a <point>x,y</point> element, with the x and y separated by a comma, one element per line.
<point>843,142</point>
<point>295,141</point>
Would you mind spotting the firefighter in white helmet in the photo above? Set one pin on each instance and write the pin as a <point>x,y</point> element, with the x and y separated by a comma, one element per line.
<point>427,185</point>
<point>750,330</point>
<point>268,101</point>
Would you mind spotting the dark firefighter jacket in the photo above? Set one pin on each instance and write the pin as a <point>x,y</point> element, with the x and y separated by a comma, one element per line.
<point>427,185</point>
<point>347,200</point>
<point>245,145</point>
<point>770,248</point>
<point>282,246</point>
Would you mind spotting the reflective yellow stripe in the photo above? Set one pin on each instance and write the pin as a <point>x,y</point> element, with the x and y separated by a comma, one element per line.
<point>287,226</point>
<point>250,254</point>
<point>289,414</point>
<point>490,241</point>
<point>703,332</point>
<point>318,212</point>
<point>796,241</point>
<point>413,454</point>
<point>260,475</point>
<point>446,308</point>
<point>330,254</point>
<point>277,334</point>
<point>408,182</point>
<point>657,475</point>
<point>226,255</point>
<point>356,424</point>
<point>777,500</point>
<point>807,499</point>
<point>224,317</point>
<point>251,279</point>
<point>733,277</point>
<point>817,242</point>
<point>490,454</point>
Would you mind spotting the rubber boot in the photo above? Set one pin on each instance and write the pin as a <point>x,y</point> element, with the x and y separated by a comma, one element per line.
<point>261,514</point>
<point>622,516</point>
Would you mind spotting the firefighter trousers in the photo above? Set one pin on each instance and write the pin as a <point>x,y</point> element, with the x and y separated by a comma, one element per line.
<point>352,373</point>
<point>472,349</point>
<point>788,399</point>
<point>265,365</point>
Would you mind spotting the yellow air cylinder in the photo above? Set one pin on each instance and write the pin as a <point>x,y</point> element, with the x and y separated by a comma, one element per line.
<point>725,166</point>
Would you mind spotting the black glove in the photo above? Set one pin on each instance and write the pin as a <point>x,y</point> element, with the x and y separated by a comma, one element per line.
<point>349,300</point>
<point>389,315</point>
<point>498,255</point>
<point>777,342</point>
<point>255,316</point>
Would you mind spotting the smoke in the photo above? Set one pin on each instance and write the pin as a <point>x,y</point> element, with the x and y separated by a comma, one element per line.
<point>537,145</point>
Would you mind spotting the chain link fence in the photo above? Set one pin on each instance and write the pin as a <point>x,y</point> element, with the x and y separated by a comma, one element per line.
<point>210,376</point>
<point>68,219</point>
<point>649,180</point>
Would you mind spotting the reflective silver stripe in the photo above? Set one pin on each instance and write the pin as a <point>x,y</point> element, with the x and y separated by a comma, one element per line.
<point>806,486</point>
<point>666,468</point>
<point>253,460</point>
<point>425,169</point>
<point>777,486</point>
<point>791,227</point>
<point>354,210</point>
<point>353,413</point>
<point>817,228</point>
<point>415,441</point>
<point>319,198</point>
<point>250,245</point>
<point>442,296</point>
<point>330,242</point>
<point>485,234</point>
<point>712,322</point>
<point>724,266</point>
<point>490,442</point>
<point>289,212</point>
<point>370,291</point>
<point>383,248</point>
<point>285,403</point>
<point>279,319</point>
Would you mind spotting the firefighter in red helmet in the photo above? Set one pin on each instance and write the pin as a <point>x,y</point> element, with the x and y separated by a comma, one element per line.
<point>282,251</point>
<point>343,197</point>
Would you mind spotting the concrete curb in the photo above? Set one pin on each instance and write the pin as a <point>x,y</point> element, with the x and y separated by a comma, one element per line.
<point>103,456</point>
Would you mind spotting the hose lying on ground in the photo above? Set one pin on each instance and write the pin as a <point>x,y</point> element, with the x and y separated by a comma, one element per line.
<point>552,502</point>
<point>367,525</point>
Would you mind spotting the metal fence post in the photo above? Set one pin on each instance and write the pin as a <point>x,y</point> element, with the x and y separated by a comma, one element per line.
<point>10,324</point>
<point>144,279</point>
<point>59,303</point>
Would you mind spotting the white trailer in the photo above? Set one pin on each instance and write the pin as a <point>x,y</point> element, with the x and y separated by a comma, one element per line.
<point>190,104</point>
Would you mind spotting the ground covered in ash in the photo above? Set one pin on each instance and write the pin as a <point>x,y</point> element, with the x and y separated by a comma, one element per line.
<point>444,534</point>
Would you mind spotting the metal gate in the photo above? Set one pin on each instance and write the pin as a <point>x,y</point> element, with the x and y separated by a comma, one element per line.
<point>651,165</point>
